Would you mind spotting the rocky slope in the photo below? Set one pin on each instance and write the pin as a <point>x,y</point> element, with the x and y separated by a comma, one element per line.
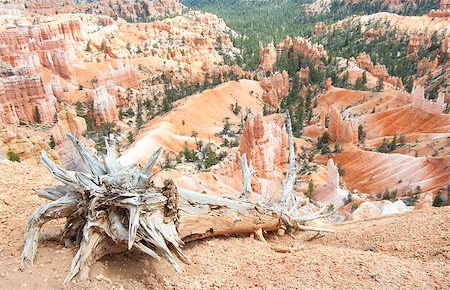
<point>378,253</point>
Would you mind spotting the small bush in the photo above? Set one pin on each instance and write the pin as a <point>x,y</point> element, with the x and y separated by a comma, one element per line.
<point>439,201</point>
<point>12,156</point>
<point>355,207</point>
<point>52,143</point>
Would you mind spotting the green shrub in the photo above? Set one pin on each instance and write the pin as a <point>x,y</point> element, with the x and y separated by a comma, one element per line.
<point>439,201</point>
<point>12,156</point>
<point>52,143</point>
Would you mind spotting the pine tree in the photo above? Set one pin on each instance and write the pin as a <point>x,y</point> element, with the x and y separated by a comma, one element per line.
<point>380,85</point>
<point>52,142</point>
<point>88,46</point>
<point>361,134</point>
<point>310,191</point>
<point>37,115</point>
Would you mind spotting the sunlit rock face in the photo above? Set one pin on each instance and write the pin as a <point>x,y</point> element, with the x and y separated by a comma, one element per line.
<point>50,45</point>
<point>275,88</point>
<point>21,97</point>
<point>104,106</point>
<point>267,58</point>
<point>340,130</point>
<point>264,141</point>
<point>418,101</point>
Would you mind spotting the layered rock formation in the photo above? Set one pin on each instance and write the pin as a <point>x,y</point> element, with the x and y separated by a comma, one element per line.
<point>319,27</point>
<point>104,106</point>
<point>52,42</point>
<point>267,58</point>
<point>264,141</point>
<point>426,65</point>
<point>21,97</point>
<point>340,130</point>
<point>416,41</point>
<point>301,46</point>
<point>303,75</point>
<point>378,70</point>
<point>443,11</point>
<point>328,84</point>
<point>418,101</point>
<point>123,75</point>
<point>127,9</point>
<point>68,122</point>
<point>190,38</point>
<point>445,44</point>
<point>25,143</point>
<point>275,88</point>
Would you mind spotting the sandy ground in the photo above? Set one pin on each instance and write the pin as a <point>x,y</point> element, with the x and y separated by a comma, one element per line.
<point>398,252</point>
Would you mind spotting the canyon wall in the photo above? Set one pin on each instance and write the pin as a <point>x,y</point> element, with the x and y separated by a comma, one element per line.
<point>22,96</point>
<point>123,75</point>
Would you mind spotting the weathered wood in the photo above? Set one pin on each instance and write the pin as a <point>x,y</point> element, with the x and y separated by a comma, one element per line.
<point>203,216</point>
<point>116,209</point>
<point>287,198</point>
<point>246,177</point>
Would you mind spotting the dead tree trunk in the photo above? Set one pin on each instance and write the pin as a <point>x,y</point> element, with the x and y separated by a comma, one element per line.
<point>116,208</point>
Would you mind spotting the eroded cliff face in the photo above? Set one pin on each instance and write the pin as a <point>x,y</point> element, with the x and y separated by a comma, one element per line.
<point>331,191</point>
<point>68,122</point>
<point>300,45</point>
<point>275,88</point>
<point>127,9</point>
<point>418,101</point>
<point>198,37</point>
<point>264,141</point>
<point>24,142</point>
<point>25,99</point>
<point>52,42</point>
<point>378,70</point>
<point>267,58</point>
<point>123,75</point>
<point>105,107</point>
<point>443,11</point>
<point>416,41</point>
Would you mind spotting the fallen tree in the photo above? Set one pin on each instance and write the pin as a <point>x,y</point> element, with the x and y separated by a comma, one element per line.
<point>116,208</point>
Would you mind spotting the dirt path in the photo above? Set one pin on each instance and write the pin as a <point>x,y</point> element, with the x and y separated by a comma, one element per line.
<point>407,251</point>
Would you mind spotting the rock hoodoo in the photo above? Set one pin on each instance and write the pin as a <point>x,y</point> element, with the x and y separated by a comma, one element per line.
<point>267,58</point>
<point>418,101</point>
<point>340,130</point>
<point>275,88</point>
<point>104,106</point>
<point>264,141</point>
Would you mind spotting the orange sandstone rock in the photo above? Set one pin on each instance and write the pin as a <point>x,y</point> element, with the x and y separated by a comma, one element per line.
<point>275,88</point>
<point>340,130</point>
<point>264,141</point>
<point>267,58</point>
